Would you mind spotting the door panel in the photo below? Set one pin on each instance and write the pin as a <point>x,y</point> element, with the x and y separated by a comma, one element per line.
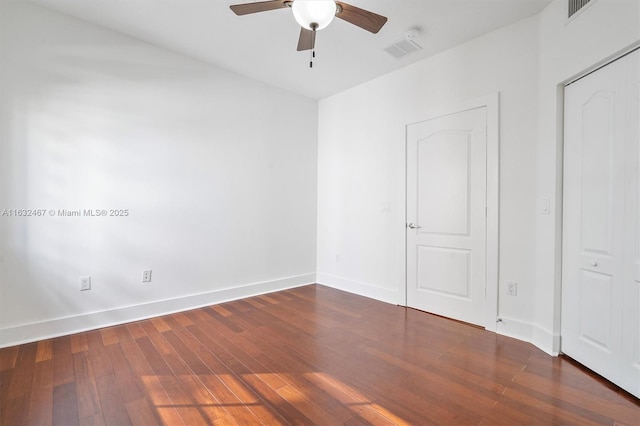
<point>600,299</point>
<point>444,270</point>
<point>595,310</point>
<point>446,198</point>
<point>597,185</point>
<point>443,179</point>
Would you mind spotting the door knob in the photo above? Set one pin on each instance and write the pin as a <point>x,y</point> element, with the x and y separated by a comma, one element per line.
<point>413,226</point>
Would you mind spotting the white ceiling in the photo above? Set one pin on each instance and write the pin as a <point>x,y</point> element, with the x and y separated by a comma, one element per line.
<point>263,45</point>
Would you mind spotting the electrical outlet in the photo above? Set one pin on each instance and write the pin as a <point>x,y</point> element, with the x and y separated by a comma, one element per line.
<point>146,276</point>
<point>85,283</point>
<point>512,288</point>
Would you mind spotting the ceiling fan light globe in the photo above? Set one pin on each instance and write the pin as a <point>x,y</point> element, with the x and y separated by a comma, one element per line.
<point>318,12</point>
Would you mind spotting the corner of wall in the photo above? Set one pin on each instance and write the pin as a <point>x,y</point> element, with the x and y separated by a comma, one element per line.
<point>538,336</point>
<point>361,288</point>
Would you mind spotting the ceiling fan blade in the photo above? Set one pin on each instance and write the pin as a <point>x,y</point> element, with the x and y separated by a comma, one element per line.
<point>261,6</point>
<point>364,19</point>
<point>307,40</point>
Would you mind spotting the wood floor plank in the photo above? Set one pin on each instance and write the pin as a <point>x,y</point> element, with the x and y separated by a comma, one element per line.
<point>210,407</point>
<point>141,413</point>
<point>268,299</point>
<point>109,336</point>
<point>113,408</point>
<point>22,379</point>
<point>236,410</point>
<point>133,354</point>
<point>305,356</point>
<point>98,357</point>
<point>135,329</point>
<point>95,420</point>
<point>41,399</point>
<point>127,381</point>
<point>155,392</point>
<point>221,310</point>
<point>189,357</point>
<point>176,365</point>
<point>223,316</point>
<point>255,302</point>
<point>15,411</point>
<point>79,343</point>
<point>182,319</point>
<point>44,352</point>
<point>5,380</point>
<point>181,400</point>
<point>65,406</point>
<point>154,358</point>
<point>160,324</point>
<point>88,400</point>
<point>8,357</point>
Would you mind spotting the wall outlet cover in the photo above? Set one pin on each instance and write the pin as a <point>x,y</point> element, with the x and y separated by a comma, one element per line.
<point>85,283</point>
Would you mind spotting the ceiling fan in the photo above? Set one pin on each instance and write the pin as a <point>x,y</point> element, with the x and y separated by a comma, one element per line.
<point>314,15</point>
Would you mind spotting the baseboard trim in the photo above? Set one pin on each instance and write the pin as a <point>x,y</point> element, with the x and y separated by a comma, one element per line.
<point>360,288</point>
<point>26,333</point>
<point>527,332</point>
<point>532,333</point>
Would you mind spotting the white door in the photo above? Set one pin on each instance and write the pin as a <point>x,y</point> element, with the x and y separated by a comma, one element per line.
<point>631,294</point>
<point>446,215</point>
<point>601,241</point>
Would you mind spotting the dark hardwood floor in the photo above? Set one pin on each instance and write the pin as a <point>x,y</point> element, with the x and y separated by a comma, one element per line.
<point>311,355</point>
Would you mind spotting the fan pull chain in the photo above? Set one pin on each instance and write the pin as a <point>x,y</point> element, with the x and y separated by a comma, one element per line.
<point>313,44</point>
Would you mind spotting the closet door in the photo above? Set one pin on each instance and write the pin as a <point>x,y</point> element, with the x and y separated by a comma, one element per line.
<point>600,287</point>
<point>631,292</point>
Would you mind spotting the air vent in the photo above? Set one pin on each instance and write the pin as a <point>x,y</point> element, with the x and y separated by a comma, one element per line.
<point>575,6</point>
<point>402,48</point>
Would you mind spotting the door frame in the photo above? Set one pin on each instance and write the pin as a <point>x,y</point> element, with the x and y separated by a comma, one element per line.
<point>492,104</point>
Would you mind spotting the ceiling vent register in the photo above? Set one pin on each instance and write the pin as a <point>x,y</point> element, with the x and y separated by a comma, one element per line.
<point>402,48</point>
<point>575,6</point>
<point>405,46</point>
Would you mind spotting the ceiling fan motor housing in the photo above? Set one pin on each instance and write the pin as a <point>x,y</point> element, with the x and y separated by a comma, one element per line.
<point>314,14</point>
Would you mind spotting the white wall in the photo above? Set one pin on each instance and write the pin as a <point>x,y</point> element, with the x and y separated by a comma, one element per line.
<point>361,157</point>
<point>220,184</point>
